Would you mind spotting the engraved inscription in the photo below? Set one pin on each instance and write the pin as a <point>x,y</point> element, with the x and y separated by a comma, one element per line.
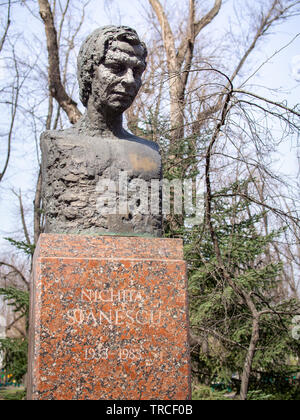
<point>93,309</point>
<point>122,354</point>
<point>110,295</point>
<point>114,317</point>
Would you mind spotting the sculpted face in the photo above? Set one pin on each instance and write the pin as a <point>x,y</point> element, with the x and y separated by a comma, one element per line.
<point>118,79</point>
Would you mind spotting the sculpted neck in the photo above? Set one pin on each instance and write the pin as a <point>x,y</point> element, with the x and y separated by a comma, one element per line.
<point>101,123</point>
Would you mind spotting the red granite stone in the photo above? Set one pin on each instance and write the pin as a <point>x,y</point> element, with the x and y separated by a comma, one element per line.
<point>109,319</point>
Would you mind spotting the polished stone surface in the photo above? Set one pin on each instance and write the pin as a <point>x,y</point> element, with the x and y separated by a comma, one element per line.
<point>109,318</point>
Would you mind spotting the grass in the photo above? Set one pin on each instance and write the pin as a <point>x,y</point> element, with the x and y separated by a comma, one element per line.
<point>12,394</point>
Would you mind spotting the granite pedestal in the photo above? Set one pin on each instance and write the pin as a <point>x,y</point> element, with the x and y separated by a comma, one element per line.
<point>109,319</point>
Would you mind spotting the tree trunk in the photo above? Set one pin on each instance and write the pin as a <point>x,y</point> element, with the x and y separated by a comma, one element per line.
<point>56,87</point>
<point>249,358</point>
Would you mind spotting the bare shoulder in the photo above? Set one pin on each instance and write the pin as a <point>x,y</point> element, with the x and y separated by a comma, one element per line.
<point>142,141</point>
<point>57,135</point>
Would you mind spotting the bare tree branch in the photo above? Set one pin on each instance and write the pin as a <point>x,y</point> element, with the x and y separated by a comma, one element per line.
<point>269,101</point>
<point>12,325</point>
<point>17,271</point>
<point>178,75</point>
<point>196,27</point>
<point>8,22</point>
<point>55,84</point>
<point>208,18</point>
<point>14,107</point>
<point>274,14</point>
<point>197,341</point>
<point>22,213</point>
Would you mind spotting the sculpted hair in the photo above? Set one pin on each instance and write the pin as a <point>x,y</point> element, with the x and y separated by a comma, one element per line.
<point>93,51</point>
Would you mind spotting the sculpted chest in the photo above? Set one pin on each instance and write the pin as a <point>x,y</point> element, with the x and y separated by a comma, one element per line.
<point>73,168</point>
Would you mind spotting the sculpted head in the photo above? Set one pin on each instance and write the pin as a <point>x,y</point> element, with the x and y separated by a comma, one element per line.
<point>110,66</point>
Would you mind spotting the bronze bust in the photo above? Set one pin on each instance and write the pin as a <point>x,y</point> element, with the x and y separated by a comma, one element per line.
<point>75,161</point>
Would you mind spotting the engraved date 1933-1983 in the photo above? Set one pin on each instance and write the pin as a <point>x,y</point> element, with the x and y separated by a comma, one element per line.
<point>122,354</point>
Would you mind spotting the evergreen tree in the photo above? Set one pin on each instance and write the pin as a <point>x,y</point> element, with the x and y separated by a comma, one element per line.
<point>221,322</point>
<point>14,350</point>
